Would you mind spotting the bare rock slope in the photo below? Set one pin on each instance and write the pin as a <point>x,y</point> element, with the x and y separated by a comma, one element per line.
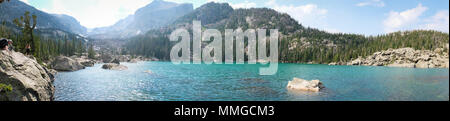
<point>404,57</point>
<point>28,79</point>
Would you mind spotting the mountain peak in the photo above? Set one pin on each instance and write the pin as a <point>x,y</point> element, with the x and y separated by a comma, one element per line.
<point>208,13</point>
<point>16,8</point>
<point>156,5</point>
<point>159,2</point>
<point>215,5</point>
<point>154,15</point>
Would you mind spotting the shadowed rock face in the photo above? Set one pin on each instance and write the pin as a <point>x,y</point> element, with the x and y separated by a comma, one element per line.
<point>62,63</point>
<point>29,80</point>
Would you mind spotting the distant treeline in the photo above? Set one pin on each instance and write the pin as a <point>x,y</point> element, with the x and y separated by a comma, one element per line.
<point>312,45</point>
<point>326,48</point>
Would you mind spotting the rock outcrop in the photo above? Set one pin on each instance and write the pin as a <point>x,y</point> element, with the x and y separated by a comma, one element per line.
<point>88,63</point>
<point>133,61</point>
<point>106,58</point>
<point>62,63</point>
<point>123,58</point>
<point>85,61</point>
<point>114,66</point>
<point>305,85</point>
<point>28,79</point>
<point>140,58</point>
<point>404,57</point>
<point>337,63</point>
<point>116,61</point>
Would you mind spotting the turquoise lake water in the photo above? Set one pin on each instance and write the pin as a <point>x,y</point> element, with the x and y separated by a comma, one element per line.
<point>168,82</point>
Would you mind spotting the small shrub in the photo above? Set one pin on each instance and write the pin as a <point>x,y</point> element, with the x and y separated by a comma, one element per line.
<point>5,88</point>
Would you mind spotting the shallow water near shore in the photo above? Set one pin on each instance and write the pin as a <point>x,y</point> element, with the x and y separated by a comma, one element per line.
<point>163,81</point>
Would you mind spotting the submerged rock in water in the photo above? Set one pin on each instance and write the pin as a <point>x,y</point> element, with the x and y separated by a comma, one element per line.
<point>305,85</point>
<point>114,66</point>
<point>62,63</point>
<point>28,79</point>
<point>148,71</point>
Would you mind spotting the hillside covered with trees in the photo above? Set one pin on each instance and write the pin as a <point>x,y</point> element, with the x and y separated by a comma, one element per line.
<point>298,44</point>
<point>44,43</point>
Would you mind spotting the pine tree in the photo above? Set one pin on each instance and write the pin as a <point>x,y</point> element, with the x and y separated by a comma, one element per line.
<point>91,52</point>
<point>28,28</point>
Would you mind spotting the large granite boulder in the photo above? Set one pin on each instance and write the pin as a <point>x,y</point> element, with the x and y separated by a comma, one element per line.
<point>28,79</point>
<point>114,66</point>
<point>423,64</point>
<point>356,62</point>
<point>89,63</point>
<point>401,63</point>
<point>62,63</point>
<point>305,85</point>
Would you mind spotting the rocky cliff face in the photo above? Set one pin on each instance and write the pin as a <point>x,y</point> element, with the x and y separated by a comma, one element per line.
<point>28,79</point>
<point>404,57</point>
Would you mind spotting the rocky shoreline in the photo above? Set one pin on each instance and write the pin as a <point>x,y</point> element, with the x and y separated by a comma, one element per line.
<point>24,79</point>
<point>75,63</point>
<point>403,57</point>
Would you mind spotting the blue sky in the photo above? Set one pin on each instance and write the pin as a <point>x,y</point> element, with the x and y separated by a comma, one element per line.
<point>369,17</point>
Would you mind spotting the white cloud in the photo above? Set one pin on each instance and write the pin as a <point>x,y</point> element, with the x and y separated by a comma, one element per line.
<point>25,1</point>
<point>403,20</point>
<point>376,3</point>
<point>96,13</point>
<point>310,14</point>
<point>440,22</point>
<point>217,1</point>
<point>245,4</point>
<point>271,3</point>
